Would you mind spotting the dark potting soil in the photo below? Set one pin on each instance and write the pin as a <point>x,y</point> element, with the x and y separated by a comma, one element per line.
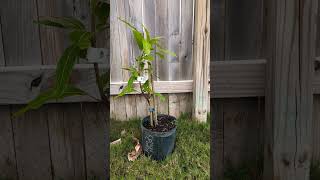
<point>165,124</point>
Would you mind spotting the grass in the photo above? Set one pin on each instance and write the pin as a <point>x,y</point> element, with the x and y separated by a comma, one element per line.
<point>190,159</point>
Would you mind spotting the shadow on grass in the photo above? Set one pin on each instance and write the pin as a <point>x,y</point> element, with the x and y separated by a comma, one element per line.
<point>190,159</point>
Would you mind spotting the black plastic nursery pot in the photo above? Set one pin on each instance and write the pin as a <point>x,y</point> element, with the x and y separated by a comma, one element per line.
<point>158,145</point>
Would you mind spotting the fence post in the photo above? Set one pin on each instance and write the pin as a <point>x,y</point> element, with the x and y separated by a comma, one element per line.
<point>291,51</point>
<point>201,54</point>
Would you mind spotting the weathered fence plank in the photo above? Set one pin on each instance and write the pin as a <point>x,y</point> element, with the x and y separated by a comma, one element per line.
<point>289,89</point>
<point>21,38</point>
<point>201,59</point>
<point>32,145</point>
<point>66,141</point>
<point>7,154</point>
<point>218,23</point>
<point>53,40</point>
<point>130,106</point>
<point>186,39</point>
<point>2,60</point>
<point>118,39</point>
<point>315,129</point>
<point>94,125</point>
<point>174,109</point>
<point>217,143</point>
<point>244,27</point>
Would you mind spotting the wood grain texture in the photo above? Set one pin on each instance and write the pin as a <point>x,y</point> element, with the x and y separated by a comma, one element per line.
<point>289,89</point>
<point>8,166</point>
<point>94,128</point>
<point>161,29</point>
<point>315,129</point>
<point>120,108</point>
<point>201,59</point>
<point>218,22</point>
<point>243,29</point>
<point>186,39</point>
<point>163,106</point>
<point>217,140</point>
<point>2,60</point>
<point>53,40</point>
<point>21,38</point>
<point>119,52</point>
<point>32,145</point>
<point>67,141</point>
<point>131,109</point>
<point>134,14</point>
<point>174,39</point>
<point>149,17</point>
<point>174,105</point>
<point>142,106</point>
<point>242,123</point>
<point>245,78</point>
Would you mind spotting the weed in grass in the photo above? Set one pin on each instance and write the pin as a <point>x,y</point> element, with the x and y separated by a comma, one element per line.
<point>190,159</point>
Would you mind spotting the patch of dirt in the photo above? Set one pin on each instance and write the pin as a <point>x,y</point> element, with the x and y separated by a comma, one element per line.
<point>165,124</point>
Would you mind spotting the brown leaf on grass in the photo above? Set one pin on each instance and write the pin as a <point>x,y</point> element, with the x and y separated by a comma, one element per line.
<point>116,142</point>
<point>133,155</point>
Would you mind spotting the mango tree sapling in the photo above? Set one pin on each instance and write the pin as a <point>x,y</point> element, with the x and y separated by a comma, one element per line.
<point>142,70</point>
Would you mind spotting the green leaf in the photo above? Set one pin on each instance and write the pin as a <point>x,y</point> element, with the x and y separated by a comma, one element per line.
<point>146,46</point>
<point>65,66</point>
<point>147,32</point>
<point>62,22</point>
<point>155,40</point>
<point>138,36</point>
<point>37,102</point>
<point>71,90</point>
<point>129,88</point>
<point>149,57</point>
<point>81,38</point>
<point>146,87</point>
<point>101,11</point>
<point>161,97</point>
<point>128,24</point>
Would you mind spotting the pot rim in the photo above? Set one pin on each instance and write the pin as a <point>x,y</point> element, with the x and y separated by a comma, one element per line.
<point>155,133</point>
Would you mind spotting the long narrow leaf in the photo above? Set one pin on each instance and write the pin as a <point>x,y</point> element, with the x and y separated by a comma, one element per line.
<point>37,102</point>
<point>81,38</point>
<point>71,90</point>
<point>62,22</point>
<point>65,66</point>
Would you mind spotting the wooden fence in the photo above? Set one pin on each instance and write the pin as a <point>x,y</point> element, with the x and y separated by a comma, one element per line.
<point>174,21</point>
<point>239,79</point>
<point>58,141</point>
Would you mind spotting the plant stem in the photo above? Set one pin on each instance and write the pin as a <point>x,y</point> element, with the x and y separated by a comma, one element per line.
<point>155,113</point>
<point>98,82</point>
<point>96,65</point>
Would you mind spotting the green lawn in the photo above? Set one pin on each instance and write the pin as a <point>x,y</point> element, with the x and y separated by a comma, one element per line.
<point>190,159</point>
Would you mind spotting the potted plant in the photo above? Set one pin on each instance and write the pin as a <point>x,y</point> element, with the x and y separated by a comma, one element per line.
<point>158,130</point>
<point>83,45</point>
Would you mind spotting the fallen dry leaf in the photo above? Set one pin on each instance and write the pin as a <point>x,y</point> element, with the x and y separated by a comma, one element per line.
<point>133,155</point>
<point>116,142</point>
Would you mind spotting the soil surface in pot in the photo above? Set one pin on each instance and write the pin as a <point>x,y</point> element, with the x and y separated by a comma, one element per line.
<point>165,124</point>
